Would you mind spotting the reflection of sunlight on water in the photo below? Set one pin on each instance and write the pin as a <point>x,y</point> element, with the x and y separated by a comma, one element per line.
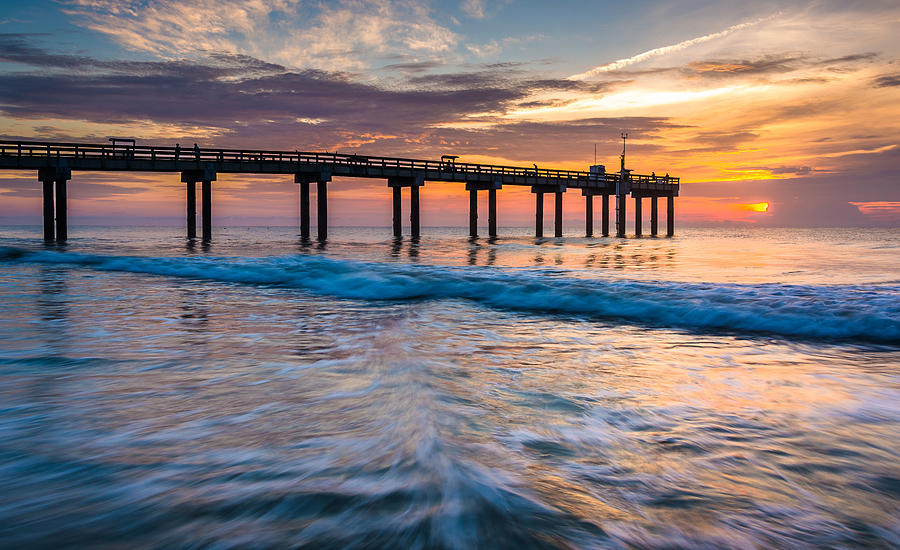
<point>151,411</point>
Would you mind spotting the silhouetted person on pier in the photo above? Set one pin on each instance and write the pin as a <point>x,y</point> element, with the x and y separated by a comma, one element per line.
<point>535,169</point>
<point>177,150</point>
<point>197,152</point>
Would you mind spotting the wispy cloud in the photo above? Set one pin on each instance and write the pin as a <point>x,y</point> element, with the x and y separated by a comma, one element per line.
<point>656,52</point>
<point>343,35</point>
<point>474,8</point>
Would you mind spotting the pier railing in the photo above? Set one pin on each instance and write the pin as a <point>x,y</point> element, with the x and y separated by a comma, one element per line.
<point>82,151</point>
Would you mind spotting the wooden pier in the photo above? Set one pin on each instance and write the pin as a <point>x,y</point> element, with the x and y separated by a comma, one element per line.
<point>55,162</point>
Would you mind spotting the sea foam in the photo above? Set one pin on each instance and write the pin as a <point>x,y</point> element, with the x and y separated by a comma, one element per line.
<point>844,312</point>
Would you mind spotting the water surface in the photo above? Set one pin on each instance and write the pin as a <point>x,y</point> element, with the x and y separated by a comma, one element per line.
<point>722,389</point>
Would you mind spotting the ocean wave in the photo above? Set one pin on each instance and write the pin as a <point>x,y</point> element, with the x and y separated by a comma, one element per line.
<point>844,312</point>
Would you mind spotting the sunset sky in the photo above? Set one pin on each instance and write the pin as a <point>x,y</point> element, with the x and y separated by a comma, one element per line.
<point>792,104</point>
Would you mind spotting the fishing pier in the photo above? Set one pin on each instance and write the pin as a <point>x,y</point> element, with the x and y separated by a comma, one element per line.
<point>55,162</point>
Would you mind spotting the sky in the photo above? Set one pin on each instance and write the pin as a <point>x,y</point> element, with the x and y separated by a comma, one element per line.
<point>780,113</point>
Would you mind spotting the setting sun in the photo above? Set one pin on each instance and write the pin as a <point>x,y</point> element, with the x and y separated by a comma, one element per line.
<point>757,207</point>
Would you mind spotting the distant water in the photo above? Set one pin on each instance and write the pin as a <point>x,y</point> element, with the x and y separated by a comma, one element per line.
<point>722,389</point>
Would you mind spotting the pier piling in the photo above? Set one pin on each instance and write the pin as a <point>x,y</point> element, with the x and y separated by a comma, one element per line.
<point>62,221</point>
<point>322,210</point>
<point>473,212</point>
<point>654,216</point>
<point>604,215</point>
<point>191,187</point>
<point>492,212</point>
<point>49,232</point>
<point>670,216</point>
<point>206,200</point>
<point>304,210</point>
<point>638,216</point>
<point>620,216</point>
<point>589,216</point>
<point>414,211</point>
<point>557,219</point>
<point>397,212</point>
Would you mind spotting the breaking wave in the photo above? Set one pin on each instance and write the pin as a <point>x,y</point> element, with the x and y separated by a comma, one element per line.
<point>864,313</point>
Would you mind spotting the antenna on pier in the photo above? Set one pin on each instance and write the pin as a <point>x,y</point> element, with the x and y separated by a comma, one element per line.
<point>624,137</point>
<point>595,153</point>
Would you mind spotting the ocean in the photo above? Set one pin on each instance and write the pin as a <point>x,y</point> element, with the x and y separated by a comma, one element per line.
<point>726,388</point>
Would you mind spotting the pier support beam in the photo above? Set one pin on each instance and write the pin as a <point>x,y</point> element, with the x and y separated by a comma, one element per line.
<point>492,212</point>
<point>49,176</point>
<point>62,218</point>
<point>191,187</point>
<point>397,212</point>
<point>620,215</point>
<point>322,210</point>
<point>604,216</point>
<point>473,212</point>
<point>49,232</point>
<point>414,183</point>
<point>539,191</point>
<point>205,176</point>
<point>557,220</point>
<point>589,193</point>
<point>654,216</point>
<point>304,210</point>
<point>473,188</point>
<point>320,176</point>
<point>414,229</point>
<point>670,216</point>
<point>638,216</point>
<point>589,215</point>
<point>206,209</point>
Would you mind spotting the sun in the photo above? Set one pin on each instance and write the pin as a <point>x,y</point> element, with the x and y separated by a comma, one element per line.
<point>757,207</point>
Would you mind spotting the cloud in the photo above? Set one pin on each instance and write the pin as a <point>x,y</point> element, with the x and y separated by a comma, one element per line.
<point>342,35</point>
<point>474,8</point>
<point>656,52</point>
<point>888,81</point>
<point>413,67</point>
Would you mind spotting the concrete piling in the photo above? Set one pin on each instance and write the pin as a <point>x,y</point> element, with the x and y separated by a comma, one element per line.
<point>670,216</point>
<point>492,212</point>
<point>206,200</point>
<point>604,215</point>
<point>473,212</point>
<point>322,210</point>
<point>49,232</point>
<point>191,187</point>
<point>638,216</point>
<point>397,212</point>
<point>304,210</point>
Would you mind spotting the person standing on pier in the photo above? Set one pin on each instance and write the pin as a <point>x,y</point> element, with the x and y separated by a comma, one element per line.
<point>177,150</point>
<point>197,152</point>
